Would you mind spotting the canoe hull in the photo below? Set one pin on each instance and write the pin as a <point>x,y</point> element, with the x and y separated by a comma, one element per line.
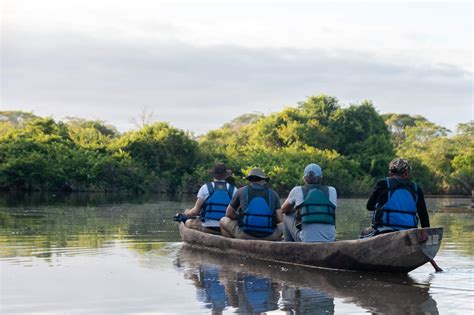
<point>397,252</point>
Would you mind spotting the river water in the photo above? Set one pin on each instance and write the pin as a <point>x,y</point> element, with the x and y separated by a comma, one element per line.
<point>96,254</point>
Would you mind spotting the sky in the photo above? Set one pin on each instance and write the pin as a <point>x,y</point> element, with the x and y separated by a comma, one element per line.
<point>199,64</point>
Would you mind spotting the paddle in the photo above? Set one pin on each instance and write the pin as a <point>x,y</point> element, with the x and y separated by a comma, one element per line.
<point>435,265</point>
<point>181,217</point>
<point>423,236</point>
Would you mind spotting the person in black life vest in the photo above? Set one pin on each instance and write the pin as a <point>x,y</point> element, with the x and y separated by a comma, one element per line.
<point>212,201</point>
<point>254,212</point>
<point>309,212</point>
<point>397,202</point>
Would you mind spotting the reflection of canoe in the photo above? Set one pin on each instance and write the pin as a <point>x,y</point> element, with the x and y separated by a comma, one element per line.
<point>378,293</point>
<point>398,252</point>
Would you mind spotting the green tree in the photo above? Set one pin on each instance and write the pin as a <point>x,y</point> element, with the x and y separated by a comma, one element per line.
<point>166,153</point>
<point>362,135</point>
<point>16,118</point>
<point>397,124</point>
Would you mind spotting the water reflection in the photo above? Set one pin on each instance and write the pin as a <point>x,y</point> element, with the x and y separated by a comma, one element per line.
<point>22,199</point>
<point>220,286</point>
<point>37,230</point>
<point>300,300</point>
<point>247,293</point>
<point>118,245</point>
<point>252,286</point>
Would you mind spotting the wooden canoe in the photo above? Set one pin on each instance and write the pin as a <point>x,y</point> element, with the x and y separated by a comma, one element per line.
<point>396,252</point>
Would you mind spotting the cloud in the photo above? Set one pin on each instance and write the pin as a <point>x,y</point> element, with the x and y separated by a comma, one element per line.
<point>201,87</point>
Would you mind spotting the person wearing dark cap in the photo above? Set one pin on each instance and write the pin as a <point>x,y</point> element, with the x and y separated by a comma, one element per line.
<point>212,201</point>
<point>397,202</point>
<point>310,210</point>
<point>254,212</point>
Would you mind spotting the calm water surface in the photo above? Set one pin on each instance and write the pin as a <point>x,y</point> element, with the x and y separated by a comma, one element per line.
<point>100,254</point>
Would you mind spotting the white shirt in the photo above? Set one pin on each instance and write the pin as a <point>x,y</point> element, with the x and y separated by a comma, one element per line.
<point>203,193</point>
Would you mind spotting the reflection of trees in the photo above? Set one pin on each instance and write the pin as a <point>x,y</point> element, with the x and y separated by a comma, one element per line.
<point>458,229</point>
<point>351,218</point>
<point>32,224</point>
<point>32,229</point>
<point>65,199</point>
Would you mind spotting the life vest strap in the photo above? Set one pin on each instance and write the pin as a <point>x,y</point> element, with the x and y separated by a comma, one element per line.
<point>400,226</point>
<point>259,215</point>
<point>269,225</point>
<point>317,212</point>
<point>216,204</point>
<point>230,191</point>
<point>399,211</point>
<point>318,204</point>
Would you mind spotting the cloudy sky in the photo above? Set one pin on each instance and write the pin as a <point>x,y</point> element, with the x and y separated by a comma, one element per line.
<point>198,64</point>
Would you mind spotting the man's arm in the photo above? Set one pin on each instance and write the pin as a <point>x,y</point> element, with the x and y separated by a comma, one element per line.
<point>279,215</point>
<point>277,207</point>
<point>421,209</point>
<point>194,211</point>
<point>287,207</point>
<point>379,189</point>
<point>230,213</point>
<point>289,204</point>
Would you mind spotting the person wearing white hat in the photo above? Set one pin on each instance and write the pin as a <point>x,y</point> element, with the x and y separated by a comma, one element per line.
<point>309,212</point>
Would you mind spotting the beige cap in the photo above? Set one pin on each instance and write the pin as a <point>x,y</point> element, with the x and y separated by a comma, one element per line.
<point>257,172</point>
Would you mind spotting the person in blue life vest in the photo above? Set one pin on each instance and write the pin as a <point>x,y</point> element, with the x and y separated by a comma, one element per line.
<point>254,212</point>
<point>212,201</point>
<point>397,202</point>
<point>309,212</point>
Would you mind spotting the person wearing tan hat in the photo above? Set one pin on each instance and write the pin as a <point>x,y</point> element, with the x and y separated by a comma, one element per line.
<point>212,200</point>
<point>254,212</point>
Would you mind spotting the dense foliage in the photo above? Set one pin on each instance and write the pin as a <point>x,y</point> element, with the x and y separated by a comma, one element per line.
<point>352,143</point>
<point>42,154</point>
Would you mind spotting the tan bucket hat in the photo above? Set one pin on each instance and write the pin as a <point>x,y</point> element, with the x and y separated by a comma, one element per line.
<point>257,172</point>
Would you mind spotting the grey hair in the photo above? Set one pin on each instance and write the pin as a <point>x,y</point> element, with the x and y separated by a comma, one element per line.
<point>311,178</point>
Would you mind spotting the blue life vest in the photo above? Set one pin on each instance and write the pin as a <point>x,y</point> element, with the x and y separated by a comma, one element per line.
<point>258,218</point>
<point>316,207</point>
<point>260,296</point>
<point>216,203</point>
<point>213,291</point>
<point>399,212</point>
